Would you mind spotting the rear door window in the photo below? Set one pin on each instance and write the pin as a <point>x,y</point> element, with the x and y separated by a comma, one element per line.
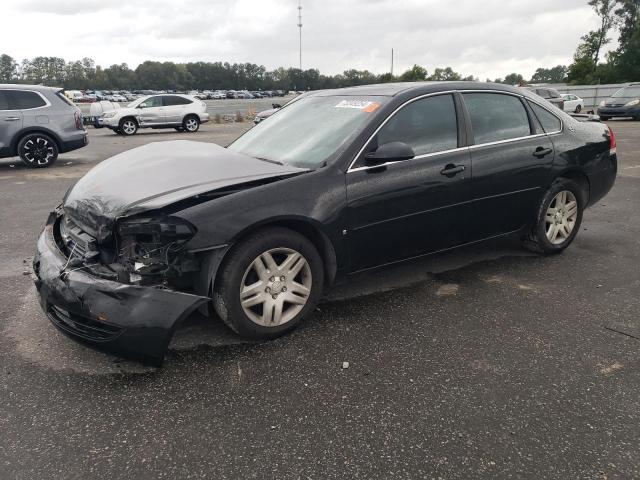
<point>24,100</point>
<point>550,123</point>
<point>170,100</point>
<point>496,117</point>
<point>428,125</point>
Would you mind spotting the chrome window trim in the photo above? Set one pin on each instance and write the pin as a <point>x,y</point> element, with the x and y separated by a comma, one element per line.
<point>469,147</point>
<point>411,100</point>
<point>417,157</point>
<point>46,100</point>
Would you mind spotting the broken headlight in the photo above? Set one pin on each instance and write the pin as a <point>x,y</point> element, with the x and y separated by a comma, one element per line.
<point>150,248</point>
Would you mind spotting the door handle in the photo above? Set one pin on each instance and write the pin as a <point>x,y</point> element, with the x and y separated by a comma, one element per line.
<point>11,119</point>
<point>451,170</point>
<point>542,152</point>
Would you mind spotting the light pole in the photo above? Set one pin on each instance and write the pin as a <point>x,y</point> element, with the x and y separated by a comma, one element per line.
<point>300,29</point>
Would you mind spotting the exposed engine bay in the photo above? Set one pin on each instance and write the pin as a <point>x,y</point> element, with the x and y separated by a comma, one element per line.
<point>142,251</point>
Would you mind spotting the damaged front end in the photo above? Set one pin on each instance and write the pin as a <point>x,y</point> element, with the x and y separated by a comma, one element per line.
<point>127,294</point>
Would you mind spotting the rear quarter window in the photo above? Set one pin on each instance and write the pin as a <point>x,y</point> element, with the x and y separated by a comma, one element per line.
<point>550,123</point>
<point>24,100</point>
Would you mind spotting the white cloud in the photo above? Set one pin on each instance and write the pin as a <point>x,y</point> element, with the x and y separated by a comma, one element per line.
<point>489,38</point>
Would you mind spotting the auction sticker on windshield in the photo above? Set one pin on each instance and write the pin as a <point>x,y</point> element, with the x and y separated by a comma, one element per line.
<point>365,106</point>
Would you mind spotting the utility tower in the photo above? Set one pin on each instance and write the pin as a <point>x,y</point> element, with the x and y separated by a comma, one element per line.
<point>300,29</point>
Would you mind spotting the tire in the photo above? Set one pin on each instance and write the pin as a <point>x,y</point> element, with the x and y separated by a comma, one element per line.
<point>259,317</point>
<point>554,231</point>
<point>38,150</point>
<point>604,119</point>
<point>179,129</point>
<point>578,108</point>
<point>128,126</point>
<point>191,124</point>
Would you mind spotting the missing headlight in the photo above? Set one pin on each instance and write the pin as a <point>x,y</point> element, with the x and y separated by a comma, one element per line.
<point>151,248</point>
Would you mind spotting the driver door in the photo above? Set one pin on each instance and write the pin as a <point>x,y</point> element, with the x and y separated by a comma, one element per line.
<point>411,207</point>
<point>152,111</point>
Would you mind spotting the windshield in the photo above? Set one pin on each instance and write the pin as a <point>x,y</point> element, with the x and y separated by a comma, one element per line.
<point>627,92</point>
<point>307,132</point>
<point>137,102</point>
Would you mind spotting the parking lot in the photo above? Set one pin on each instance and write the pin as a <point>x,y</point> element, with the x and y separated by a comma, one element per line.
<point>226,108</point>
<point>487,362</point>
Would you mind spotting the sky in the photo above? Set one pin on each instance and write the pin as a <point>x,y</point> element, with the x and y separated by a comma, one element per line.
<point>484,38</point>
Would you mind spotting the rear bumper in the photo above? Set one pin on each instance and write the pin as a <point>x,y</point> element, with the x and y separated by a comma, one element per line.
<point>619,111</point>
<point>75,143</point>
<point>128,320</point>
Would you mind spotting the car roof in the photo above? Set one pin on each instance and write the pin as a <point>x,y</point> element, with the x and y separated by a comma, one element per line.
<point>37,88</point>
<point>393,89</point>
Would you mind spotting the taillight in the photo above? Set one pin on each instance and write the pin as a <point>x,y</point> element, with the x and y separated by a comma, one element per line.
<point>78,118</point>
<point>612,142</point>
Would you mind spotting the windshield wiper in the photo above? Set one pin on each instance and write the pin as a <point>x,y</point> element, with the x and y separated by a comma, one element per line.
<point>270,161</point>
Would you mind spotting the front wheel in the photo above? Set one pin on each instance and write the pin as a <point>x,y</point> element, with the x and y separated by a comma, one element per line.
<point>269,283</point>
<point>38,150</point>
<point>128,126</point>
<point>191,124</point>
<point>559,218</point>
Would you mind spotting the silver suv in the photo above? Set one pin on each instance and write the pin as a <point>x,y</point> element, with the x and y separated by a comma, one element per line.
<point>37,123</point>
<point>182,112</point>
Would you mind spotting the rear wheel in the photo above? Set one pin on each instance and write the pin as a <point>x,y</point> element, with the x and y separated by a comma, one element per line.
<point>128,126</point>
<point>191,123</point>
<point>578,108</point>
<point>269,283</point>
<point>38,150</point>
<point>559,218</point>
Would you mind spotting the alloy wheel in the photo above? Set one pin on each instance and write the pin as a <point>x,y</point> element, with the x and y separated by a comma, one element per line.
<point>561,217</point>
<point>38,150</point>
<point>129,127</point>
<point>275,287</point>
<point>191,124</point>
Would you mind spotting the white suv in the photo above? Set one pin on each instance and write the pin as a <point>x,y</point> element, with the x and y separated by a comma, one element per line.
<point>182,112</point>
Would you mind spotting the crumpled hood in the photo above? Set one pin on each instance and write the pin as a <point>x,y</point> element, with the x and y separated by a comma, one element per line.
<point>156,175</point>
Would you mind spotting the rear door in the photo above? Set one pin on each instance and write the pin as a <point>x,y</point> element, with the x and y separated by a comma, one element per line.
<point>411,207</point>
<point>511,158</point>
<point>152,111</point>
<point>10,124</point>
<point>175,108</point>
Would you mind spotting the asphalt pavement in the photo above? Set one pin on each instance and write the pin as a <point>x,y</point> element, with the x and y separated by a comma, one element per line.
<point>486,362</point>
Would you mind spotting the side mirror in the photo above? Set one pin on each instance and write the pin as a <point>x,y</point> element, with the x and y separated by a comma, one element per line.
<point>276,105</point>
<point>389,152</point>
<point>142,105</point>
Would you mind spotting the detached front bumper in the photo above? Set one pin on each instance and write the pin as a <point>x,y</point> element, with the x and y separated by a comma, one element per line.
<point>128,320</point>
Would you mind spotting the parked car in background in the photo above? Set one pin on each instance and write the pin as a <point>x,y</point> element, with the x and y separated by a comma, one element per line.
<point>624,103</point>
<point>182,112</point>
<point>116,97</point>
<point>74,95</point>
<point>572,103</point>
<point>335,183</point>
<point>549,94</point>
<point>37,123</point>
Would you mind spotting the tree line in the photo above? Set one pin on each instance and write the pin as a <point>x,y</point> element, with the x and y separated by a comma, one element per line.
<point>588,67</point>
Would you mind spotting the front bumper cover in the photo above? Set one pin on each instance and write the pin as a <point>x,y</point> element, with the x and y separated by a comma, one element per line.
<point>128,320</point>
<point>632,111</point>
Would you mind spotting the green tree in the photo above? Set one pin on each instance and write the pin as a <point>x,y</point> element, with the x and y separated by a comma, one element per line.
<point>557,74</point>
<point>8,69</point>
<point>513,79</point>
<point>414,74</point>
<point>444,74</point>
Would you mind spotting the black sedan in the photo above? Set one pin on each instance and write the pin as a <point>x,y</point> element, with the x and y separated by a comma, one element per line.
<point>338,182</point>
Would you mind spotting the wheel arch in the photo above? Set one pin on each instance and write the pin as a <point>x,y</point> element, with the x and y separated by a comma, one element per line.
<point>304,226</point>
<point>581,179</point>
<point>29,130</point>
